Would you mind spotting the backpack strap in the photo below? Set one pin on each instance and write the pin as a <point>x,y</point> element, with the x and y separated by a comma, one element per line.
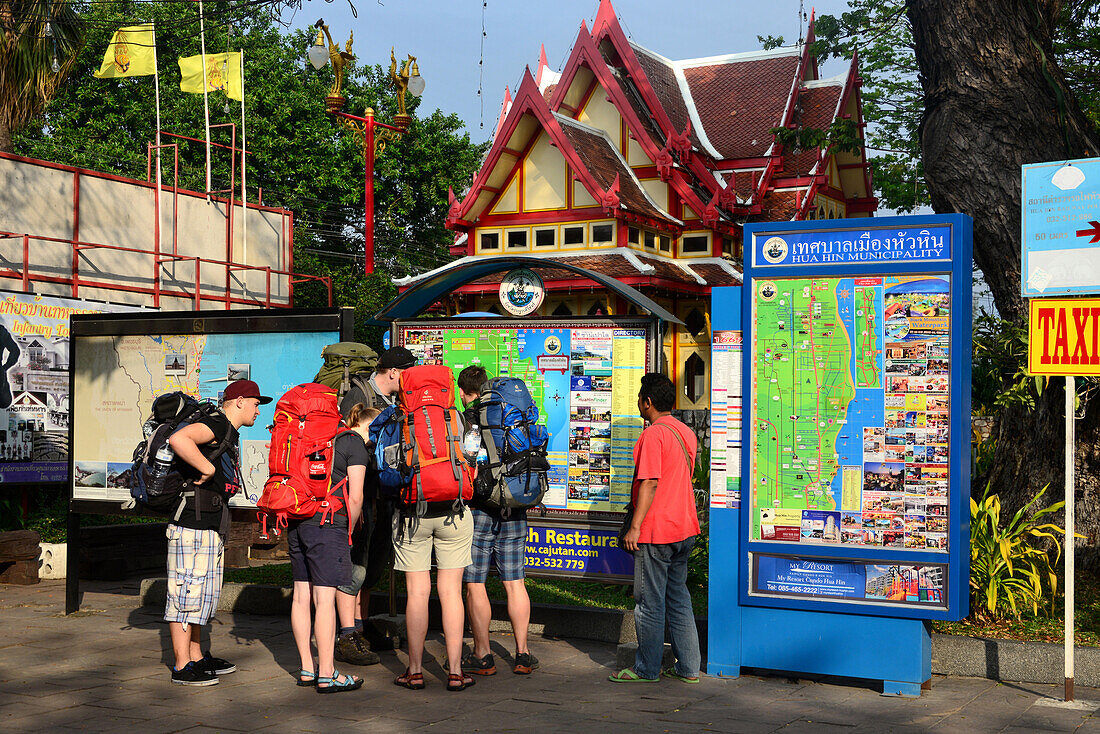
<point>487,440</point>
<point>371,398</point>
<point>679,439</point>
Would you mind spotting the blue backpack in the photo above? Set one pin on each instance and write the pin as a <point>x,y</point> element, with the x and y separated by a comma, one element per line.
<point>388,457</point>
<point>514,477</point>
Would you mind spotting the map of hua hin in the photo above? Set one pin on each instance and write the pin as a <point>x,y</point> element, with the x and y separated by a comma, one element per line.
<point>850,409</point>
<point>802,389</point>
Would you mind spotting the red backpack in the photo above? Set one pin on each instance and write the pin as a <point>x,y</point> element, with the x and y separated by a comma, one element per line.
<point>307,422</point>
<point>431,434</point>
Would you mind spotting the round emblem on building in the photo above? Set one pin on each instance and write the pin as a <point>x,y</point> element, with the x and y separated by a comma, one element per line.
<point>521,292</point>
<point>768,291</point>
<point>775,250</point>
<point>552,345</point>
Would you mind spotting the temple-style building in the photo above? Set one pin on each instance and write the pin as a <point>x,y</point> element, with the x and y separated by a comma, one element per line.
<point>645,169</point>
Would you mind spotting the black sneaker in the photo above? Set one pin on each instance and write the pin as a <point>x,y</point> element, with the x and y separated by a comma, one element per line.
<point>525,663</point>
<point>353,649</point>
<point>192,675</point>
<point>479,666</point>
<point>214,666</point>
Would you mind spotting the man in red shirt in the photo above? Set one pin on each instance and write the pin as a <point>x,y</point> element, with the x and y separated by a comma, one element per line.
<point>661,537</point>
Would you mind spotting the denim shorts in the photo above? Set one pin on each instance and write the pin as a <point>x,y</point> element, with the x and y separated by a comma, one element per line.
<point>497,539</point>
<point>319,554</point>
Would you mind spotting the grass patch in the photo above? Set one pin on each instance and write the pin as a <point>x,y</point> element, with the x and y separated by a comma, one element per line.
<point>569,592</point>
<point>1041,629</point>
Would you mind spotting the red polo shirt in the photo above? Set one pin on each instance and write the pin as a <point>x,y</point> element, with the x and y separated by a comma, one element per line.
<point>658,455</point>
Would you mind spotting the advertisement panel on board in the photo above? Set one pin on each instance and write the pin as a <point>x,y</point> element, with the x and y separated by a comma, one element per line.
<point>856,380</point>
<point>123,364</point>
<point>34,384</point>
<point>584,377</point>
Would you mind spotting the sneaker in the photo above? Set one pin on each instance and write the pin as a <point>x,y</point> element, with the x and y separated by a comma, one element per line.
<point>353,649</point>
<point>192,675</point>
<point>525,663</point>
<point>215,666</point>
<point>479,666</point>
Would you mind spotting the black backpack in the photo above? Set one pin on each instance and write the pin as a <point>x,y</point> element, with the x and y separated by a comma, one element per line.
<point>160,485</point>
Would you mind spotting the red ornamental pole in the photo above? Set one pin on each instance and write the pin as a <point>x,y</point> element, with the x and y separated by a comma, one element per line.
<point>368,192</point>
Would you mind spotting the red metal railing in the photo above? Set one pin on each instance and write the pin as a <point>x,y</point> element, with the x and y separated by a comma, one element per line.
<point>76,280</point>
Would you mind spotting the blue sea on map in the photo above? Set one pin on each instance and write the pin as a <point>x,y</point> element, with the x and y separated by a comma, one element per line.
<point>867,409</point>
<point>277,362</point>
<point>532,345</point>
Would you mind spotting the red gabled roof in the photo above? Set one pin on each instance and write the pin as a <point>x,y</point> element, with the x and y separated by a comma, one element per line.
<point>817,108</point>
<point>593,158</point>
<point>740,101</point>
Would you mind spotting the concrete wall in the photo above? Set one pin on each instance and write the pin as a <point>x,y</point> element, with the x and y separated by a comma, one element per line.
<point>45,200</point>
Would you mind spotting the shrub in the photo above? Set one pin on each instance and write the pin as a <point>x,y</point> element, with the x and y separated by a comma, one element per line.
<point>1008,571</point>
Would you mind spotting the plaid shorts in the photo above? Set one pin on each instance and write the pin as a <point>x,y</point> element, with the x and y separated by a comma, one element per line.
<point>497,539</point>
<point>195,564</point>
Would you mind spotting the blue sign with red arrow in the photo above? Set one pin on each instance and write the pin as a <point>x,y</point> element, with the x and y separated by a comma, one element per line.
<point>1060,220</point>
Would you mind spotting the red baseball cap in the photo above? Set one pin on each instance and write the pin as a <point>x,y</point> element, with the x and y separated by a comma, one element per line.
<point>244,389</point>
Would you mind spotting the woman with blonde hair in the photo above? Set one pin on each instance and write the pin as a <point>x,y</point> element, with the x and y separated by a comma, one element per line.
<point>320,559</point>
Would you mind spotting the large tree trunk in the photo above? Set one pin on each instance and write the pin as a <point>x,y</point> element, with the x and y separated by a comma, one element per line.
<point>6,143</point>
<point>992,103</point>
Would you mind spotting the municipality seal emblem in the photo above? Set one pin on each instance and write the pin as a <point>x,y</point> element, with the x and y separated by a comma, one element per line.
<point>521,292</point>
<point>775,250</point>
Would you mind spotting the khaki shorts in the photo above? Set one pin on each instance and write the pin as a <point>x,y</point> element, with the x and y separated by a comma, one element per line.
<point>451,537</point>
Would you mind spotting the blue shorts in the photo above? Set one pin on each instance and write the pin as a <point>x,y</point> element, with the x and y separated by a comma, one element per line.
<point>497,539</point>
<point>319,554</point>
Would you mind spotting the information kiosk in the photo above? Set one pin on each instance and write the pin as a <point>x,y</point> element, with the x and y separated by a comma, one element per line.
<point>841,479</point>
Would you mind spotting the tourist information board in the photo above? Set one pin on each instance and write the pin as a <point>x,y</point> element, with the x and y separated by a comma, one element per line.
<point>856,430</point>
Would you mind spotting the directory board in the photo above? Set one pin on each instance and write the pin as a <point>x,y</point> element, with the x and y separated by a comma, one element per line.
<point>122,363</point>
<point>856,382</point>
<point>584,376</point>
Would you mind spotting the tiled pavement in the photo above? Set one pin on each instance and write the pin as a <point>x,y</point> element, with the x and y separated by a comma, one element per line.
<point>105,669</point>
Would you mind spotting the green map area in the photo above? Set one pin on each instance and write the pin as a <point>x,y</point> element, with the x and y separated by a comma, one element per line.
<point>803,386</point>
<point>867,347</point>
<point>499,351</point>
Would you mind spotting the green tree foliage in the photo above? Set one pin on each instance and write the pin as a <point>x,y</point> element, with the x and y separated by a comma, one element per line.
<point>38,43</point>
<point>880,33</point>
<point>297,155</point>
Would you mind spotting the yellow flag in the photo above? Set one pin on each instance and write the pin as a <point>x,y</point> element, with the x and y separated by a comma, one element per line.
<point>130,53</point>
<point>223,74</point>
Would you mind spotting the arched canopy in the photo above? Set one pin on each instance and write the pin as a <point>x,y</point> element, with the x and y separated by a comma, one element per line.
<point>424,293</point>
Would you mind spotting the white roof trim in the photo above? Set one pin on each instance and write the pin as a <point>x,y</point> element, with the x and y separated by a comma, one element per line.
<point>684,266</point>
<point>693,113</point>
<point>725,265</point>
<point>596,131</point>
<point>633,260</point>
<point>771,53</point>
<point>685,95</point>
<point>834,81</point>
<point>410,279</point>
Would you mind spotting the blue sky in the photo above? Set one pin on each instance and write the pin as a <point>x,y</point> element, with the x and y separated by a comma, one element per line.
<point>445,36</point>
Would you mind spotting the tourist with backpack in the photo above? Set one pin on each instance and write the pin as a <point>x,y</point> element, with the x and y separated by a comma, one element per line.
<point>196,534</point>
<point>499,532</point>
<point>320,560</point>
<point>372,545</point>
<point>418,447</point>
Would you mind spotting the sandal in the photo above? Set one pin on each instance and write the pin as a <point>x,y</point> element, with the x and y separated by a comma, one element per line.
<point>627,675</point>
<point>671,673</point>
<point>464,681</point>
<point>334,685</point>
<point>306,678</point>
<point>412,681</point>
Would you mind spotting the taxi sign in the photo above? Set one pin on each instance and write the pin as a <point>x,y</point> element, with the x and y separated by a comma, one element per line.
<point>1064,337</point>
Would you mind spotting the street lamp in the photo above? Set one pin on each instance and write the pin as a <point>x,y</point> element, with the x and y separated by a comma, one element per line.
<point>366,129</point>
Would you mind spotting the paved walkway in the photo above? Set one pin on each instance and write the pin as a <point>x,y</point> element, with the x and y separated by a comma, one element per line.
<point>104,669</point>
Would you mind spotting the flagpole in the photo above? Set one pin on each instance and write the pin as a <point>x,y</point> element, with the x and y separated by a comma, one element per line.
<point>205,97</point>
<point>156,85</point>
<point>244,172</point>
